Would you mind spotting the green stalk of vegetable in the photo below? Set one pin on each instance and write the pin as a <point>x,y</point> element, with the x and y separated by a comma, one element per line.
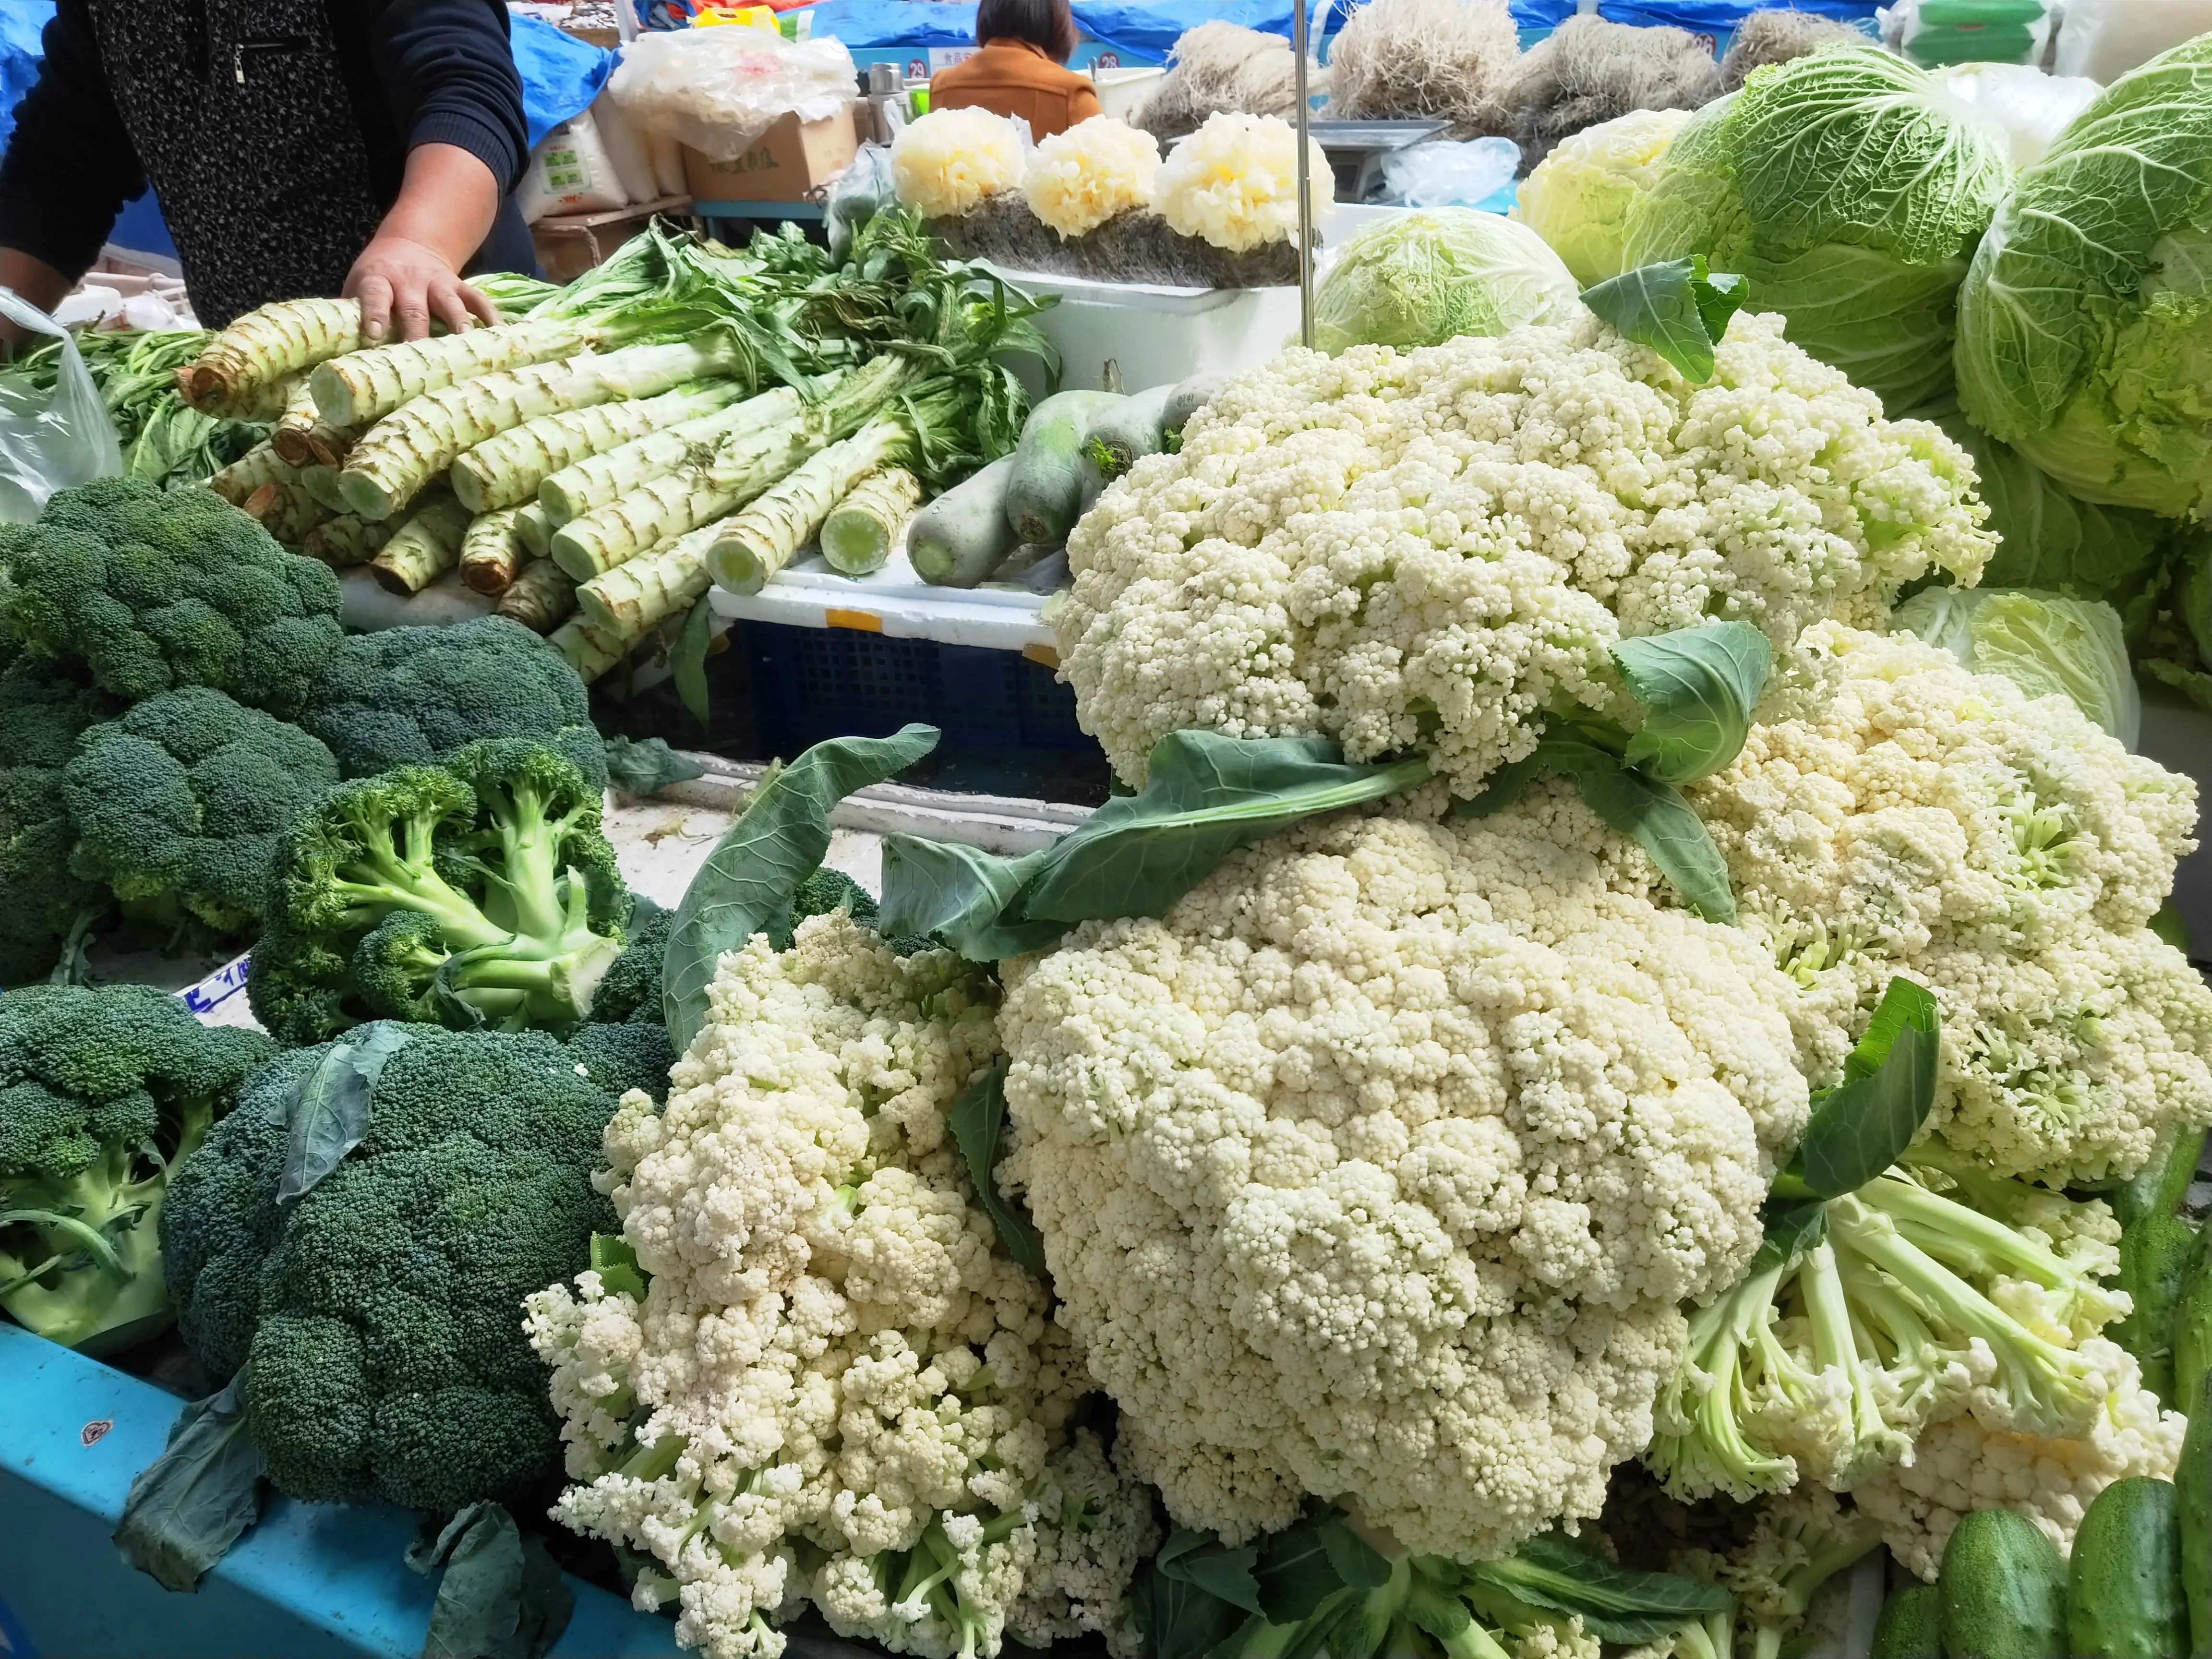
<point>285,510</point>
<point>506,469</point>
<point>627,600</point>
<point>492,554</point>
<point>346,540</point>
<point>249,472</point>
<point>322,482</point>
<point>425,547</point>
<point>593,480</point>
<point>680,502</point>
<point>398,456</point>
<point>541,597</point>
<point>588,650</point>
<point>764,537</point>
<point>861,530</point>
<point>290,435</point>
<point>963,536</point>
<point>268,405</point>
<point>265,346</point>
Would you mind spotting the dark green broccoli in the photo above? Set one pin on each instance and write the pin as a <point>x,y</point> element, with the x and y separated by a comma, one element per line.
<point>42,712</point>
<point>101,1093</point>
<point>377,1320</point>
<point>152,589</point>
<point>631,989</point>
<point>179,805</point>
<point>479,891</point>
<point>410,696</point>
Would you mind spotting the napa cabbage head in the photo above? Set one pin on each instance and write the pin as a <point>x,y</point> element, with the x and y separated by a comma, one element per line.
<point>2085,326</point>
<point>1578,199</point>
<point>1851,190</point>
<point>2044,643</point>
<point>1422,277</point>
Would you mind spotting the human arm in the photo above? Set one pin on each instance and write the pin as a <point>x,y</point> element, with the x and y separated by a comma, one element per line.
<point>408,273</point>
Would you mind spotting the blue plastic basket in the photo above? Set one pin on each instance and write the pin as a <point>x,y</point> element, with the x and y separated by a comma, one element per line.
<point>812,683</point>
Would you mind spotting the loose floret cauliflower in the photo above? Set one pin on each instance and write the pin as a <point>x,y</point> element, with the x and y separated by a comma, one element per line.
<point>1234,183</point>
<point>948,161</point>
<point>2007,853</point>
<point>837,1386</point>
<point>1959,1465</point>
<point>1427,552</point>
<point>1378,1168</point>
<point>1079,179</point>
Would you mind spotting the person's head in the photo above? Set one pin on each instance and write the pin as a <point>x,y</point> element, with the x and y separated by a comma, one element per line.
<point>1048,25</point>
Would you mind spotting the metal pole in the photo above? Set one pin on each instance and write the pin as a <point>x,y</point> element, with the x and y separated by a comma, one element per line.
<point>1298,37</point>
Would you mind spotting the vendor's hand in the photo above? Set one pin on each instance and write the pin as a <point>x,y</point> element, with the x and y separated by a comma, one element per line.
<point>404,284</point>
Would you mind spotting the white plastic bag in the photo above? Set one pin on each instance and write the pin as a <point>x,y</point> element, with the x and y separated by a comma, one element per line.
<point>570,172</point>
<point>1443,173</point>
<point>2029,108</point>
<point>719,89</point>
<point>2106,39</point>
<point>53,438</point>
<point>626,149</point>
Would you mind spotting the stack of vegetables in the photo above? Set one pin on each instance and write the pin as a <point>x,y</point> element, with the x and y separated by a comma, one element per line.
<point>579,462</point>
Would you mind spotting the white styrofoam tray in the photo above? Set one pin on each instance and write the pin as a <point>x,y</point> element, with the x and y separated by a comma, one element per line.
<point>896,603</point>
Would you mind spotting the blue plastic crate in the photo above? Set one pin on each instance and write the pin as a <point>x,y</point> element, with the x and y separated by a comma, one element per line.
<point>812,683</point>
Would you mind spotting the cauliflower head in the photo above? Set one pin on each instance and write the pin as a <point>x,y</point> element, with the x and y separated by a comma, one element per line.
<point>2007,853</point>
<point>1078,178</point>
<point>1234,183</point>
<point>1378,1168</point>
<point>1579,196</point>
<point>1425,551</point>
<point>1960,1466</point>
<point>836,1387</point>
<point>949,160</point>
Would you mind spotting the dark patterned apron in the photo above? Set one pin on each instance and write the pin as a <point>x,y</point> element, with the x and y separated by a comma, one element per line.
<point>242,122</point>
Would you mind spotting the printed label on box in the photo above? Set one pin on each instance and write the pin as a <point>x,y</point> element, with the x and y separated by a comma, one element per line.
<point>945,56</point>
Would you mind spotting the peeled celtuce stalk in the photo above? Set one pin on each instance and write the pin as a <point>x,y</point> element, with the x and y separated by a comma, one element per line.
<point>285,511</point>
<point>346,540</point>
<point>506,469</point>
<point>594,480</point>
<point>670,506</point>
<point>492,554</point>
<point>367,386</point>
<point>588,650</point>
<point>763,538</point>
<point>541,598</point>
<point>259,465</point>
<point>857,536</point>
<point>534,530</point>
<point>631,598</point>
<point>289,437</point>
<point>267,402</point>
<point>265,346</point>
<point>322,482</point>
<point>424,548</point>
<point>398,456</point>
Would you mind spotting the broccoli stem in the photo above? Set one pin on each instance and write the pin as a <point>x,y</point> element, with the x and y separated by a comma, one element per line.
<point>404,878</point>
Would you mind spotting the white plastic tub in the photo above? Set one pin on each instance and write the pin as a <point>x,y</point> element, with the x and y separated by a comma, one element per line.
<point>1156,335</point>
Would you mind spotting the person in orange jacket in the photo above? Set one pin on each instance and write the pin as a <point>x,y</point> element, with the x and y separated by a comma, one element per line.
<point>1022,67</point>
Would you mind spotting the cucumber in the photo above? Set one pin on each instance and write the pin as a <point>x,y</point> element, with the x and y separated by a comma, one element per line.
<point>1911,1626</point>
<point>2124,1585</point>
<point>2192,1326</point>
<point>1189,397</point>
<point>2003,1588</point>
<point>1045,496</point>
<point>2156,1253</point>
<point>2192,1486</point>
<point>2159,1186</point>
<point>963,536</point>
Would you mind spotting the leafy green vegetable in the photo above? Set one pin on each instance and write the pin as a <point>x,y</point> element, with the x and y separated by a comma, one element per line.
<point>2085,324</point>
<point>500,1596</point>
<point>615,1260</point>
<point>1673,307</point>
<point>1422,277</point>
<point>198,1497</point>
<point>2044,643</point>
<point>688,663</point>
<point>1861,1127</point>
<point>646,766</point>
<point>328,1111</point>
<point>978,1121</point>
<point>1613,1603</point>
<point>1698,687</point>
<point>750,877</point>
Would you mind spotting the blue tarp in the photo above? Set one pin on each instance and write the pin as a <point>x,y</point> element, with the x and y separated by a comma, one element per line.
<point>864,25</point>
<point>1721,17</point>
<point>1139,28</point>
<point>560,75</point>
<point>21,54</point>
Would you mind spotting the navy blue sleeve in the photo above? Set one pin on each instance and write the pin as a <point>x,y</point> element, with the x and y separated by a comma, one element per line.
<point>449,72</point>
<point>70,166</point>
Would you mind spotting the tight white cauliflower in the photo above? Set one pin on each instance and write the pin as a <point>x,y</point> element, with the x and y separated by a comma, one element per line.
<point>838,1387</point>
<point>1378,1169</point>
<point>1425,551</point>
<point>2008,854</point>
<point>1959,1465</point>
<point>1079,179</point>
<point>1235,182</point>
<point>945,164</point>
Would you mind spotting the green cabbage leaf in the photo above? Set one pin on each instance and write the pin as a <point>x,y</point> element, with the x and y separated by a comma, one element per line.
<point>1422,277</point>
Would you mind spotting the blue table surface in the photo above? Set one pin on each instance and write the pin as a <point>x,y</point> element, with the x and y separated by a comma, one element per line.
<point>311,1580</point>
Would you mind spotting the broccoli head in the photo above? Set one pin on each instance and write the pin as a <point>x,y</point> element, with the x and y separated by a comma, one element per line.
<point>152,589</point>
<point>102,1092</point>
<point>481,891</point>
<point>377,1319</point>
<point>179,805</point>
<point>408,696</point>
<point>42,712</point>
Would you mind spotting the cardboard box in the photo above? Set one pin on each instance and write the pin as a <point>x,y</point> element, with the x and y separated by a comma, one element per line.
<point>570,245</point>
<point>781,164</point>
